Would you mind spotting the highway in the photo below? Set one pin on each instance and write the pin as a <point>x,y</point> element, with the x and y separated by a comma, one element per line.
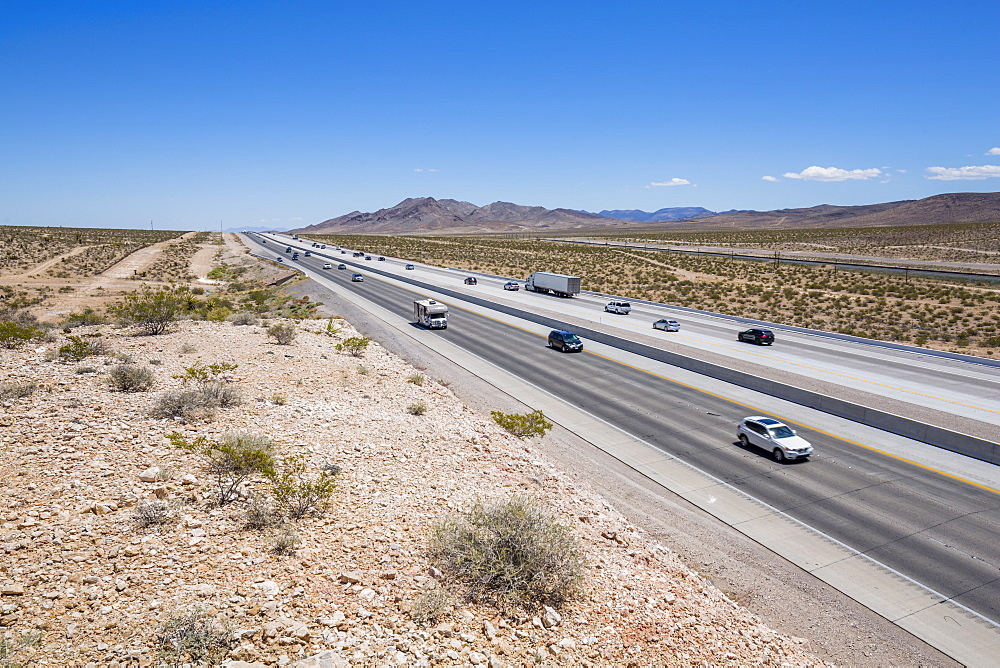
<point>962,388</point>
<point>935,529</point>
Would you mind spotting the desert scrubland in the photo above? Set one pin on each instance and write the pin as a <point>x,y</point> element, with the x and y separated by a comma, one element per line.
<point>936,313</point>
<point>221,477</point>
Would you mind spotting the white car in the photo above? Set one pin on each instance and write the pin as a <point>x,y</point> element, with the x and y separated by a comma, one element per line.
<point>327,265</point>
<point>624,308</point>
<point>511,285</point>
<point>667,325</point>
<point>774,436</point>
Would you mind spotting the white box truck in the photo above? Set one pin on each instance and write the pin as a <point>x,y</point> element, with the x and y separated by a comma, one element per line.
<point>560,285</point>
<point>431,314</point>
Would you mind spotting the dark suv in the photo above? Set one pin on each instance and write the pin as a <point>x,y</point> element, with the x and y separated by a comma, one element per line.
<point>762,337</point>
<point>565,341</point>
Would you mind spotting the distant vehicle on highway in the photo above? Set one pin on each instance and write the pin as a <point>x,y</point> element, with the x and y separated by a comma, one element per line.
<point>280,259</point>
<point>430,313</point>
<point>368,257</point>
<point>565,341</point>
<point>667,325</point>
<point>357,278</point>
<point>308,253</point>
<point>409,266</point>
<point>341,266</point>
<point>773,436</point>
<point>762,337</point>
<point>295,256</point>
<point>327,265</point>
<point>470,280</point>
<point>381,258</point>
<point>623,308</point>
<point>511,285</point>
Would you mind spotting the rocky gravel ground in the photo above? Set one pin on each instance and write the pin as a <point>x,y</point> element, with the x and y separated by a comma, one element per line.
<point>83,581</point>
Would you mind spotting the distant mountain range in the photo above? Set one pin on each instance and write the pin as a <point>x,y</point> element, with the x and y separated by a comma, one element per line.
<point>674,213</point>
<point>939,209</point>
<point>426,215</point>
<point>421,215</point>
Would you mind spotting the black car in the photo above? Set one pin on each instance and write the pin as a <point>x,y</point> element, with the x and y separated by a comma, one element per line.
<point>565,341</point>
<point>471,280</point>
<point>762,337</point>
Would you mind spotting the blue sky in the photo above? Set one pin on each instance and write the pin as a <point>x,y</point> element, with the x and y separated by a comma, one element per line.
<point>248,113</point>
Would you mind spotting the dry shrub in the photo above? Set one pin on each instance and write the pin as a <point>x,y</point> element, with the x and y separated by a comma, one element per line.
<point>131,378</point>
<point>509,552</point>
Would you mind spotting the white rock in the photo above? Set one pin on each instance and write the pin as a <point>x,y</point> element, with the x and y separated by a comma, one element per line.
<point>152,474</point>
<point>268,587</point>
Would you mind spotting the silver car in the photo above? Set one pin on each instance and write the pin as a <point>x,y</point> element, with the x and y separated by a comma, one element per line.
<point>667,325</point>
<point>773,436</point>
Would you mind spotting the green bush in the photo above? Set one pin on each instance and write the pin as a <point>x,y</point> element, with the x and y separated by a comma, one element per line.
<point>218,314</point>
<point>283,334</point>
<point>417,378</point>
<point>77,349</point>
<point>194,636</point>
<point>202,373</point>
<point>131,378</point>
<point>299,493</point>
<point>523,425</point>
<point>232,460</point>
<point>153,310</point>
<point>13,335</point>
<point>355,345</point>
<point>417,408</point>
<point>509,552</point>
<point>88,316</point>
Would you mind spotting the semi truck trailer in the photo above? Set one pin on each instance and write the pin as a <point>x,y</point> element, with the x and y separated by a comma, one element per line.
<point>560,285</point>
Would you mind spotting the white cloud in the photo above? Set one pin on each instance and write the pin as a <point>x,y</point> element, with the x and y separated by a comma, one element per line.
<point>672,182</point>
<point>295,219</point>
<point>424,170</point>
<point>994,151</point>
<point>772,179</point>
<point>963,173</point>
<point>830,174</point>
